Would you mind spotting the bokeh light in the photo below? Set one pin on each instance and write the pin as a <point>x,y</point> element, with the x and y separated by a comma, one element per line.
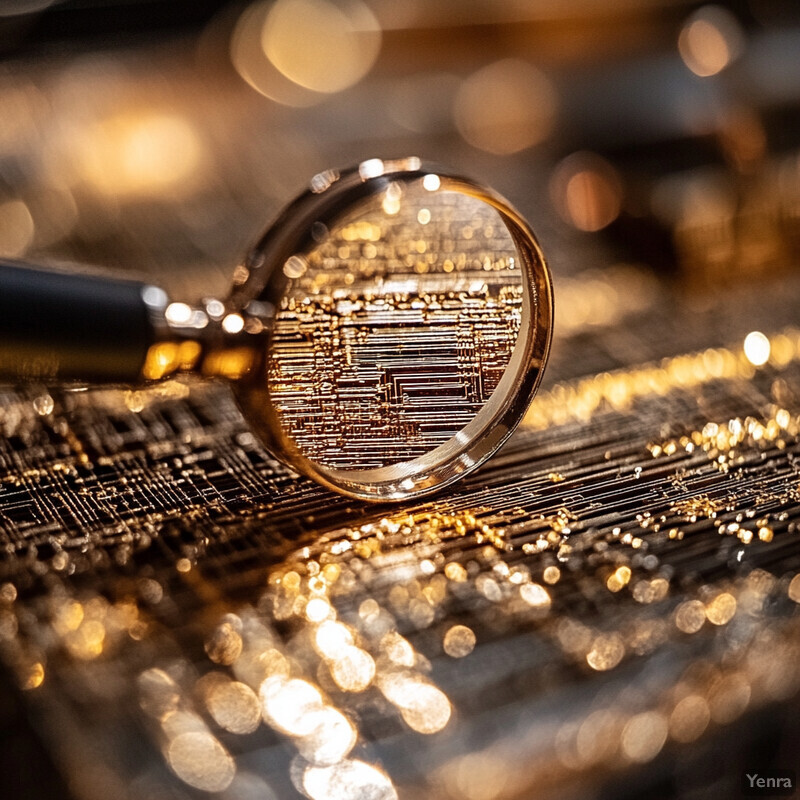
<point>16,228</point>
<point>234,706</point>
<point>423,706</point>
<point>138,154</point>
<point>296,52</point>
<point>199,760</point>
<point>506,107</point>
<point>756,348</point>
<point>586,191</point>
<point>459,641</point>
<point>710,39</point>
<point>346,780</point>
<point>644,736</point>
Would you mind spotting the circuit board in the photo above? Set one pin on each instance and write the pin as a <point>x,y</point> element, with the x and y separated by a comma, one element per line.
<point>613,587</point>
<point>397,329</point>
<point>607,609</point>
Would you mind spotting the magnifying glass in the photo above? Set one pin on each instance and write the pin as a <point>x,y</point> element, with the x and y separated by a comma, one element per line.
<point>384,337</point>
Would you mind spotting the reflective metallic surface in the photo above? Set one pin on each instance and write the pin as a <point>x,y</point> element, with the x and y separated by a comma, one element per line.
<point>554,622</point>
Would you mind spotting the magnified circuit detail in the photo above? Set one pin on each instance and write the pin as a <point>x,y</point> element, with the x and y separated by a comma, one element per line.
<point>396,327</point>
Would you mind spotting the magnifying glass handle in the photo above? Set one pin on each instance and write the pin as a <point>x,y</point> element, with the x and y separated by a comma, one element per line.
<point>62,326</point>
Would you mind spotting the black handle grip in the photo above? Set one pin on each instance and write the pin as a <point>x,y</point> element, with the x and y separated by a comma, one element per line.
<point>64,326</point>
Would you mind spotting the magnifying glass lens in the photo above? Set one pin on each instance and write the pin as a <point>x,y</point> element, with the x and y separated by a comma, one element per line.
<point>397,329</point>
<point>405,328</point>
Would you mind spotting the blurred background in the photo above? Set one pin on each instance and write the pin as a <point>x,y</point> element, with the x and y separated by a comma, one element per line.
<point>654,146</point>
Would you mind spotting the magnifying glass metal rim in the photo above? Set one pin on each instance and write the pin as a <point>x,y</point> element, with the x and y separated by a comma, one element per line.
<point>261,279</point>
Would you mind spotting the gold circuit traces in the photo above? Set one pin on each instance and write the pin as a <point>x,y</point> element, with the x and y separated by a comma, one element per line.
<point>396,328</point>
